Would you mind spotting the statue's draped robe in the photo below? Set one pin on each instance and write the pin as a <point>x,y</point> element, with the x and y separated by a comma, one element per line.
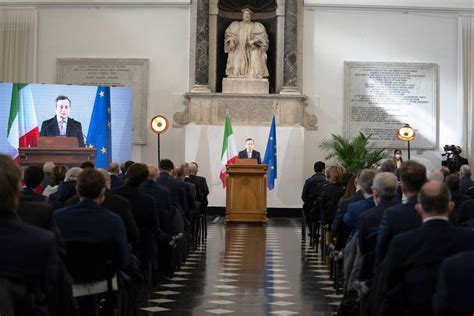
<point>245,60</point>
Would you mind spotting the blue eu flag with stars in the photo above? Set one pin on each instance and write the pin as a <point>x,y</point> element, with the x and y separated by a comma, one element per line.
<point>270,158</point>
<point>100,127</point>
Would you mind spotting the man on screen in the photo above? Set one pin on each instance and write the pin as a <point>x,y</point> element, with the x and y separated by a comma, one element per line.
<point>62,124</point>
<point>248,152</point>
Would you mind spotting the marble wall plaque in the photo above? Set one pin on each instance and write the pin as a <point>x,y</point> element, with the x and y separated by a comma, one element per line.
<point>129,72</point>
<point>380,97</point>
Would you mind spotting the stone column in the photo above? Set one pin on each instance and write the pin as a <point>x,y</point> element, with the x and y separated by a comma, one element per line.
<point>290,71</point>
<point>201,61</point>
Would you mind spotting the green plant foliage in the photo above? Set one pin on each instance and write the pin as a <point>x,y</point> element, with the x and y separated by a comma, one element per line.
<point>353,155</point>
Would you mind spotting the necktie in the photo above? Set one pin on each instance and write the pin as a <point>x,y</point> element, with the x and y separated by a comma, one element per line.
<point>62,128</point>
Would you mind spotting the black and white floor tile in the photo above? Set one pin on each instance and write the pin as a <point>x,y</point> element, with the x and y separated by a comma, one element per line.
<point>248,270</point>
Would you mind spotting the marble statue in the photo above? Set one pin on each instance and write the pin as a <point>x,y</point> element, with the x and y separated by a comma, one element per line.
<point>246,44</point>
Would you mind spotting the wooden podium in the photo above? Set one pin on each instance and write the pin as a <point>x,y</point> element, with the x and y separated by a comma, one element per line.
<point>60,150</point>
<point>246,193</point>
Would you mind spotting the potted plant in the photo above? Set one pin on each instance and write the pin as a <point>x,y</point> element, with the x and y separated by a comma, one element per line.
<point>353,155</point>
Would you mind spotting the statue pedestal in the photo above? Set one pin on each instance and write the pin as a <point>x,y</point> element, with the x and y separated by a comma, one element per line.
<point>245,86</point>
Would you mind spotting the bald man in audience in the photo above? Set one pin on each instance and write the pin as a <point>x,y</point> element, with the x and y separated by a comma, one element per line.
<point>412,264</point>
<point>201,185</point>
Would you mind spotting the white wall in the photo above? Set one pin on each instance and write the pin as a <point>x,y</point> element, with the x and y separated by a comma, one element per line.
<point>333,36</point>
<point>160,34</point>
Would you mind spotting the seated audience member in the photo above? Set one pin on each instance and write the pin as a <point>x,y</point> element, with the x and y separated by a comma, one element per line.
<point>465,212</point>
<point>30,260</point>
<point>124,167</point>
<point>88,221</point>
<point>199,181</point>
<point>32,177</point>
<point>189,188</point>
<point>465,177</point>
<point>48,174</point>
<point>66,189</point>
<point>401,217</point>
<point>87,164</point>
<point>384,190</point>
<point>58,173</point>
<point>309,194</point>
<point>445,171</point>
<point>143,211</point>
<point>351,218</point>
<point>176,188</point>
<point>331,194</point>
<point>454,292</point>
<point>436,175</point>
<point>389,165</point>
<point>116,204</point>
<point>352,194</point>
<point>452,181</point>
<point>114,172</point>
<point>412,262</point>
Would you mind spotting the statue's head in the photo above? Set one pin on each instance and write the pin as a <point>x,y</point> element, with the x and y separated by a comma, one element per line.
<point>246,14</point>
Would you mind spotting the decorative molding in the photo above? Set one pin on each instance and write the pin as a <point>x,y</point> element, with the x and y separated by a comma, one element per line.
<point>245,110</point>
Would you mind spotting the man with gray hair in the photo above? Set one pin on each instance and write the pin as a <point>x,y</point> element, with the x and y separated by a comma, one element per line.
<point>465,177</point>
<point>48,174</point>
<point>384,191</point>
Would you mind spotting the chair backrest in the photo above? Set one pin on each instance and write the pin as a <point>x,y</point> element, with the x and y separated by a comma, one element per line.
<point>90,261</point>
<point>16,299</point>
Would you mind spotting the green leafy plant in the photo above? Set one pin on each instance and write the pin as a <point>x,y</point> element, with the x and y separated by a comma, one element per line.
<point>353,155</point>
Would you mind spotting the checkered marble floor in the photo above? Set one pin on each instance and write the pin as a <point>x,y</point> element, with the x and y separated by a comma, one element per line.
<point>245,269</point>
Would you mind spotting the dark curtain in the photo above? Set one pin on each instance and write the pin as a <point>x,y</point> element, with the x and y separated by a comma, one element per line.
<point>254,5</point>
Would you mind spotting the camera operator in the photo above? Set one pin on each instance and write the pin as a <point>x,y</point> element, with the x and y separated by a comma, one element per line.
<point>454,160</point>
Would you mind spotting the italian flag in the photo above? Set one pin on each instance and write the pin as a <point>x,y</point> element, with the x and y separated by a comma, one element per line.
<point>229,151</point>
<point>22,124</point>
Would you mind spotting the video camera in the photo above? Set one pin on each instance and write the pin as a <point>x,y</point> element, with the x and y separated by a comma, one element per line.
<point>450,150</point>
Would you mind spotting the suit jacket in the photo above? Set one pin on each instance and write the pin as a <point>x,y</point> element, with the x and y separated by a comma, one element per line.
<point>40,214</point>
<point>255,155</point>
<point>351,218</point>
<point>458,200</point>
<point>369,221</point>
<point>342,206</point>
<point>465,183</point>
<point>119,206</point>
<point>454,292</point>
<point>161,195</point>
<point>412,265</point>
<point>115,182</point>
<point>73,129</point>
<point>395,220</point>
<point>29,254</point>
<point>66,190</point>
<point>177,191</point>
<point>87,220</point>
<point>28,194</point>
<point>465,212</point>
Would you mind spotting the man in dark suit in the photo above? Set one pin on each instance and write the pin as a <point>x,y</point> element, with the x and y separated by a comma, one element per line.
<point>454,292</point>
<point>88,221</point>
<point>412,262</point>
<point>28,252</point>
<point>401,217</point>
<point>114,171</point>
<point>32,177</point>
<point>384,190</point>
<point>176,188</point>
<point>62,124</point>
<point>200,183</point>
<point>116,204</point>
<point>249,152</point>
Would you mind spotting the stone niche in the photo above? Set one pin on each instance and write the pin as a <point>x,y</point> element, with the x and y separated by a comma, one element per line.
<point>206,104</point>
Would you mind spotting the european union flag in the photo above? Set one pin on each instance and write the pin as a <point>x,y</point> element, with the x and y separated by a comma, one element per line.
<point>100,128</point>
<point>270,158</point>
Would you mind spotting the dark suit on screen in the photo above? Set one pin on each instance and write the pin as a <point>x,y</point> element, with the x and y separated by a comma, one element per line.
<point>412,266</point>
<point>255,155</point>
<point>73,129</point>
